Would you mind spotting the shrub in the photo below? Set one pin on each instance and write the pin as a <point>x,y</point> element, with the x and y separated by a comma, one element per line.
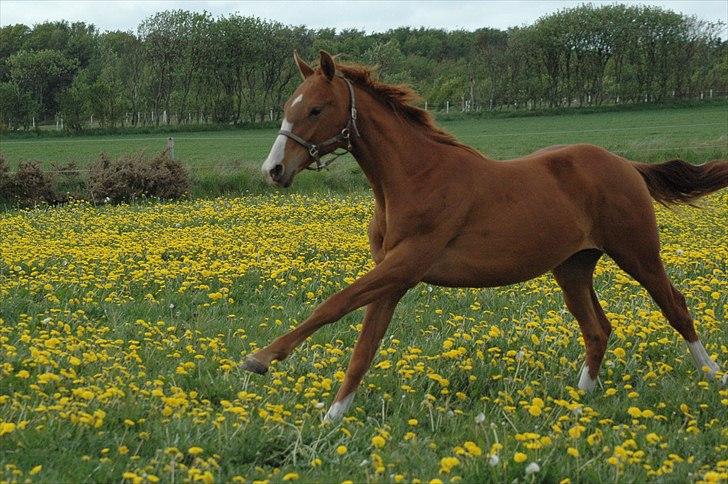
<point>134,176</point>
<point>30,185</point>
<point>5,194</point>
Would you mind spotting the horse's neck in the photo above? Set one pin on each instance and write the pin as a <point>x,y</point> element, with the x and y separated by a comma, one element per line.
<point>388,149</point>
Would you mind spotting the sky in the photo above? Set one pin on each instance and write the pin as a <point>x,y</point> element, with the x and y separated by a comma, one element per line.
<point>370,16</point>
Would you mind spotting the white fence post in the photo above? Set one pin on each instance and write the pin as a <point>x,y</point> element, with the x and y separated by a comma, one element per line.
<point>447,107</point>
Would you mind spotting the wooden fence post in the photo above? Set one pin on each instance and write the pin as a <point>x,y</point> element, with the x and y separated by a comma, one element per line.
<point>170,148</point>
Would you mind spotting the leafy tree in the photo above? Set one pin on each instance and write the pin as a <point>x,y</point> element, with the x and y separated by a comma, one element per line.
<point>74,103</point>
<point>45,73</point>
<point>237,69</point>
<point>18,105</point>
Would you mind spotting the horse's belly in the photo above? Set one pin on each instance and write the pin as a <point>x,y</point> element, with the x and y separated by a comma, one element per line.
<point>488,261</point>
<point>453,271</point>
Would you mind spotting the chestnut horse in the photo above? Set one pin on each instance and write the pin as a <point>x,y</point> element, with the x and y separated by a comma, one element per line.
<point>447,215</point>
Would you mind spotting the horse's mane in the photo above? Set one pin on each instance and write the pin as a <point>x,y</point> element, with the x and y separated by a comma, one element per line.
<point>401,99</point>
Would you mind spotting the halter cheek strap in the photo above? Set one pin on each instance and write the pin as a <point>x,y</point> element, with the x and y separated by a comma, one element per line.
<point>344,136</point>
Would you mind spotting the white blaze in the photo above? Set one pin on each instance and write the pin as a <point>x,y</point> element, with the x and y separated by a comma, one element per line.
<point>277,151</point>
<point>297,100</point>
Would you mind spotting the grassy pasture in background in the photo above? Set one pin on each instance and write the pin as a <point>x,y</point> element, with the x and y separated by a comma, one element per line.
<point>228,161</point>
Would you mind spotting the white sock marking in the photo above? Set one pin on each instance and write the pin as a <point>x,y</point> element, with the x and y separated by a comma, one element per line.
<point>585,381</point>
<point>701,358</point>
<point>338,409</point>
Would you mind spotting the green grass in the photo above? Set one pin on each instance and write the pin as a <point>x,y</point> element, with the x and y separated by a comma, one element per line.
<point>84,277</point>
<point>228,161</point>
<point>76,281</point>
<point>669,131</point>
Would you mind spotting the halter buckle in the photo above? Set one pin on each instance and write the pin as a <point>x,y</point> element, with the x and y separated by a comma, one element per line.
<point>314,152</point>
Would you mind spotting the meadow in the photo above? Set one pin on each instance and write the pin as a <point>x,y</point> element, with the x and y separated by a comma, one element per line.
<point>121,330</point>
<point>227,162</point>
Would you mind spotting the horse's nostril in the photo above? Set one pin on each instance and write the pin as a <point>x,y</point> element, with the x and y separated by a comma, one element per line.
<point>276,172</point>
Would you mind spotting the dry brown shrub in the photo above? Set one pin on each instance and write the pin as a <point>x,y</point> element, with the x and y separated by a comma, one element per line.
<point>136,176</point>
<point>5,194</point>
<point>30,184</point>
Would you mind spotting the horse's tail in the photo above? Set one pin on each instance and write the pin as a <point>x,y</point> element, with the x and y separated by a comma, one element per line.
<point>679,182</point>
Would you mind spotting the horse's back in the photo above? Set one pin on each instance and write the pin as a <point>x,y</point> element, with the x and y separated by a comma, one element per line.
<point>583,165</point>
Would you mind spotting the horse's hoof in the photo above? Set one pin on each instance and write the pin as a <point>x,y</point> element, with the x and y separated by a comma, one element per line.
<point>251,364</point>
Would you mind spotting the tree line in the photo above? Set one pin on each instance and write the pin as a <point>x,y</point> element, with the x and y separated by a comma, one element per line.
<point>188,67</point>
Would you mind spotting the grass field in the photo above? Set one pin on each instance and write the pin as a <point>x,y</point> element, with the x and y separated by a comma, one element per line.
<point>121,328</point>
<point>228,161</point>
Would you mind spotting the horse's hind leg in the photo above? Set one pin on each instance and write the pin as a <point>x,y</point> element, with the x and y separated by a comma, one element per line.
<point>574,276</point>
<point>642,261</point>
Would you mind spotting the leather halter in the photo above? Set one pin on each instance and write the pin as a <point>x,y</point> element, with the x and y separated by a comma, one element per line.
<point>344,135</point>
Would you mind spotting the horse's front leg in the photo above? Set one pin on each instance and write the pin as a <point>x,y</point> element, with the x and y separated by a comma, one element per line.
<point>401,268</point>
<point>377,319</point>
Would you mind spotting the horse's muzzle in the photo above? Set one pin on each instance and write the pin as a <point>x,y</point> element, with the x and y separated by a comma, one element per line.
<point>276,173</point>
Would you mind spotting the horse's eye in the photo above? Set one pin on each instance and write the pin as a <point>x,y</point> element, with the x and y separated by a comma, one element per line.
<point>315,111</point>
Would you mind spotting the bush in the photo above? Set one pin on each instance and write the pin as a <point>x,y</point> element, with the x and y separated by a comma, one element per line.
<point>136,176</point>
<point>5,194</point>
<point>31,185</point>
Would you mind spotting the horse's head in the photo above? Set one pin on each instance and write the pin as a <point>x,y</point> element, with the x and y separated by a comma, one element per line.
<point>316,121</point>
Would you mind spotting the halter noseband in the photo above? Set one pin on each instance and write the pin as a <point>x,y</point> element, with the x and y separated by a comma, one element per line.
<point>344,135</point>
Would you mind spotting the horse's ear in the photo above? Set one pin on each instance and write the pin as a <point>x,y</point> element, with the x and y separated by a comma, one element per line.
<point>303,68</point>
<point>328,66</point>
